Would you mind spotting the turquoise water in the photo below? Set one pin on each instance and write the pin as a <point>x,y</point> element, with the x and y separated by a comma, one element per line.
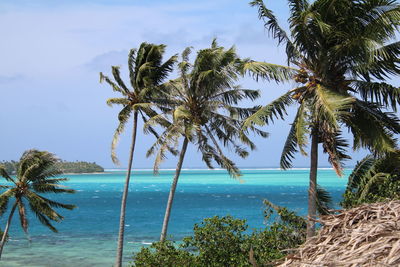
<point>87,236</point>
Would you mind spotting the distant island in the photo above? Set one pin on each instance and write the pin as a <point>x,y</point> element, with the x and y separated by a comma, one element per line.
<point>66,166</point>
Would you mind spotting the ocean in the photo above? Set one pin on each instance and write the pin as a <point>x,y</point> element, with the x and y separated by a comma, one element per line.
<point>88,234</point>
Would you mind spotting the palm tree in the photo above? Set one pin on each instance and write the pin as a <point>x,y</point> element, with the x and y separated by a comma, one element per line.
<point>342,50</point>
<point>36,173</point>
<point>202,106</point>
<point>146,72</point>
<point>373,179</point>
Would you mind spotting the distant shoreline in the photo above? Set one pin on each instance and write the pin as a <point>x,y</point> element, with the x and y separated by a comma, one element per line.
<point>220,169</point>
<point>77,173</point>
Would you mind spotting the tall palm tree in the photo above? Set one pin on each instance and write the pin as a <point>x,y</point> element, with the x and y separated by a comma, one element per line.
<point>202,106</point>
<point>36,173</point>
<point>342,50</point>
<point>146,72</point>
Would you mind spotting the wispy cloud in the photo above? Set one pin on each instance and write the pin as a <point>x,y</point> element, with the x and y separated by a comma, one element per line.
<point>10,79</point>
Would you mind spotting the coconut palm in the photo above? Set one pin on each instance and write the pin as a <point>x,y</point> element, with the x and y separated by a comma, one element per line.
<point>373,179</point>
<point>201,105</point>
<point>36,173</point>
<point>342,50</point>
<point>146,72</point>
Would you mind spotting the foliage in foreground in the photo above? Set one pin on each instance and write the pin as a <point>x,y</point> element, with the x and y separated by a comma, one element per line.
<point>373,180</point>
<point>223,241</point>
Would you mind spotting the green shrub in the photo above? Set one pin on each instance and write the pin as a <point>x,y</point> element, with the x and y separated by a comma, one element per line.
<point>223,241</point>
<point>219,241</point>
<point>164,254</point>
<point>273,243</point>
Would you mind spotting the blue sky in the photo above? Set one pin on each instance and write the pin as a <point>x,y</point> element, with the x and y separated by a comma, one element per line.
<point>52,52</point>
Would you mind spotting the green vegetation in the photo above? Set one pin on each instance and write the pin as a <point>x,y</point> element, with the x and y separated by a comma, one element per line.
<point>146,72</point>
<point>35,174</point>
<point>65,166</point>
<point>343,51</point>
<point>223,241</point>
<point>373,179</point>
<point>79,167</point>
<point>9,166</point>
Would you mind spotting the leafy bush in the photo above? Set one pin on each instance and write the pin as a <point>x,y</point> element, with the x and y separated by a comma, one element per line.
<point>219,242</point>
<point>164,254</point>
<point>223,241</point>
<point>274,242</point>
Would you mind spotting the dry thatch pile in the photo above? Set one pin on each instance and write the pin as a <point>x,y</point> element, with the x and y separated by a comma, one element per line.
<point>368,235</point>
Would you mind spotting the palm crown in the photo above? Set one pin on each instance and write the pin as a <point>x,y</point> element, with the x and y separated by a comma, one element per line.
<point>36,174</point>
<point>146,72</point>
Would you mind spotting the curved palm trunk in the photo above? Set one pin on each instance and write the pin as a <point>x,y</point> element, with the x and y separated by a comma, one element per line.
<point>3,239</point>
<point>120,247</point>
<point>172,191</point>
<point>312,190</point>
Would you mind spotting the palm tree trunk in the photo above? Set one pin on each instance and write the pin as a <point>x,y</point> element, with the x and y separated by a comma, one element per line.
<point>172,191</point>
<point>120,247</point>
<point>3,238</point>
<point>312,190</point>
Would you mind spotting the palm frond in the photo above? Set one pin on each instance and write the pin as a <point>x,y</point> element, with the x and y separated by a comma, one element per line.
<point>221,159</point>
<point>331,106</point>
<point>34,165</point>
<point>118,101</point>
<point>268,71</point>
<point>289,149</point>
<point>273,27</point>
<point>371,128</point>
<point>324,201</point>
<point>131,67</point>
<point>51,188</point>
<point>5,198</point>
<point>383,94</point>
<point>117,77</point>
<point>276,109</point>
<point>295,139</point>
<point>3,173</point>
<point>123,118</point>
<point>360,170</point>
<point>113,85</point>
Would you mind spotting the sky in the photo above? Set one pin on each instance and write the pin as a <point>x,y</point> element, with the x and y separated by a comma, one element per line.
<point>52,51</point>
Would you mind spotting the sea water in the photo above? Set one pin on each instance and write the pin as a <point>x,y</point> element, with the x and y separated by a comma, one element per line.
<point>87,236</point>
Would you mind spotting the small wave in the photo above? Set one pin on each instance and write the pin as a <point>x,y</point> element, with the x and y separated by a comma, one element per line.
<point>96,197</point>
